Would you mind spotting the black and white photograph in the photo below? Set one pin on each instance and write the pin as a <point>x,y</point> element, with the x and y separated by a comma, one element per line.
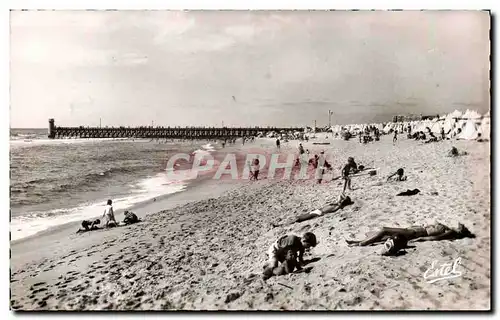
<point>250,160</point>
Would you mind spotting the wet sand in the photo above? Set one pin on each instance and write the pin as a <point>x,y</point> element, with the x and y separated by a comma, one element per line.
<point>208,254</point>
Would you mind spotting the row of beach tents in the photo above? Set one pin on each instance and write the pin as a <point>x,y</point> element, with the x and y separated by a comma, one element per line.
<point>468,125</point>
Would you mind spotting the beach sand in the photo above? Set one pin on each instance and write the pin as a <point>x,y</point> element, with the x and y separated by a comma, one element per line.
<point>208,254</point>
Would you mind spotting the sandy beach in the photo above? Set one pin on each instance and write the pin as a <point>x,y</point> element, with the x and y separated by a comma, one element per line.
<point>203,249</point>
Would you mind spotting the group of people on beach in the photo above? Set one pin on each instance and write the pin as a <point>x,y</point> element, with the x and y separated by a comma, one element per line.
<point>285,255</point>
<point>108,219</point>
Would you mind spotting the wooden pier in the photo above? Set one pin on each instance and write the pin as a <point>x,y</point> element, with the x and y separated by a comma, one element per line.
<point>56,132</point>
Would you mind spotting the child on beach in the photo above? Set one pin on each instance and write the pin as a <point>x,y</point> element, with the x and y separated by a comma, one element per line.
<point>395,138</point>
<point>351,165</point>
<point>279,248</point>
<point>130,218</point>
<point>255,170</point>
<point>109,215</point>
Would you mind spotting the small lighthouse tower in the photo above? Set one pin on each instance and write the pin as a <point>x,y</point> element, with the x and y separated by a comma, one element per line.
<point>52,129</point>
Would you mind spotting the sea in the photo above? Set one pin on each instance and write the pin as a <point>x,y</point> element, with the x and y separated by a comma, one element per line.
<point>54,182</point>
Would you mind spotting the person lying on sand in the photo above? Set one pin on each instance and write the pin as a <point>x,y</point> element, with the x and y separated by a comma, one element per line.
<point>433,232</point>
<point>277,251</point>
<point>130,218</point>
<point>455,153</point>
<point>409,192</point>
<point>400,172</point>
<point>329,208</point>
<point>89,225</point>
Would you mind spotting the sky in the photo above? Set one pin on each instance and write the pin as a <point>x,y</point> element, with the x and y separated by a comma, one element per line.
<point>244,68</point>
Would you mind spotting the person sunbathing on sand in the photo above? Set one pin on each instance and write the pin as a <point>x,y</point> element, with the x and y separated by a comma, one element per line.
<point>343,202</point>
<point>400,172</point>
<point>433,232</point>
<point>278,250</point>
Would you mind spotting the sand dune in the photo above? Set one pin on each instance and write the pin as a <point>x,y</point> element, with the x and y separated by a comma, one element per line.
<point>208,255</point>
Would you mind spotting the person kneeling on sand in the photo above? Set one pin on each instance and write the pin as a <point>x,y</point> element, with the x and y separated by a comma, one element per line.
<point>89,225</point>
<point>433,232</point>
<point>109,215</point>
<point>278,251</point>
<point>400,172</point>
<point>130,218</point>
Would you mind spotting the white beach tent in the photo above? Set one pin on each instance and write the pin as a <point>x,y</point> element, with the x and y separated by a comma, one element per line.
<point>436,126</point>
<point>449,124</point>
<point>456,114</point>
<point>484,128</point>
<point>469,132</point>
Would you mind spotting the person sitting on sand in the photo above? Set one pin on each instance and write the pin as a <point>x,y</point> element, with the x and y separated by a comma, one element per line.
<point>479,139</point>
<point>109,215</point>
<point>400,172</point>
<point>89,225</point>
<point>351,165</point>
<point>130,218</point>
<point>276,252</point>
<point>433,232</point>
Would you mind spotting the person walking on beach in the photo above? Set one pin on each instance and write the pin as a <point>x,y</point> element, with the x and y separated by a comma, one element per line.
<point>322,165</point>
<point>301,149</point>
<point>395,138</point>
<point>351,165</point>
<point>255,170</point>
<point>109,214</point>
<point>278,143</point>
